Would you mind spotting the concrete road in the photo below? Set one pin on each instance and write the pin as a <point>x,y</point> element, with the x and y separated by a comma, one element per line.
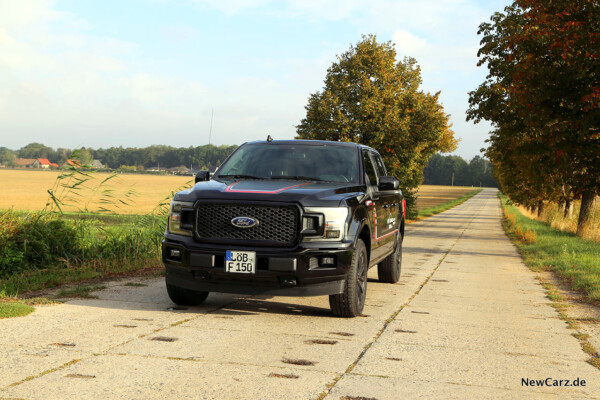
<point>467,320</point>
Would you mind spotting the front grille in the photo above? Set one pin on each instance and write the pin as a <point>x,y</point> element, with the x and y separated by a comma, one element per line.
<point>276,224</point>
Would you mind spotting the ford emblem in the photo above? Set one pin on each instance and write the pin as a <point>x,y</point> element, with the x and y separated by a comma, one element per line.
<point>244,222</point>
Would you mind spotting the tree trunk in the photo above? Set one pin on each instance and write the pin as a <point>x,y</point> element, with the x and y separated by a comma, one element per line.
<point>540,209</point>
<point>533,209</point>
<point>568,208</point>
<point>588,198</point>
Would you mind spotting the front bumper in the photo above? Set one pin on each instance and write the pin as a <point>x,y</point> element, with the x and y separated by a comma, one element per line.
<point>281,272</point>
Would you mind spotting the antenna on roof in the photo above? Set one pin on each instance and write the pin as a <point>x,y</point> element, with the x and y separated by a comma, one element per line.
<point>269,138</point>
<point>212,112</point>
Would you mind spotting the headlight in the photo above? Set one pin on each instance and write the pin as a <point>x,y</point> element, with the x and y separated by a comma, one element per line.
<point>174,225</point>
<point>335,220</point>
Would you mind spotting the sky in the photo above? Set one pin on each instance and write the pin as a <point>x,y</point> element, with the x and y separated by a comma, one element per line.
<point>134,73</point>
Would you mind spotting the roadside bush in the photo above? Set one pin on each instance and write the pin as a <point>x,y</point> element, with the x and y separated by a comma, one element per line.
<point>530,237</point>
<point>35,241</point>
<point>512,219</point>
<point>38,240</point>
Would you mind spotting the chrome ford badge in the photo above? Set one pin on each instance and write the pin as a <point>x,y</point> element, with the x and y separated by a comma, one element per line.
<point>244,222</point>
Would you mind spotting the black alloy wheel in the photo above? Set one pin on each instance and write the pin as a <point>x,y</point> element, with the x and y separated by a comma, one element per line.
<point>351,302</point>
<point>389,269</point>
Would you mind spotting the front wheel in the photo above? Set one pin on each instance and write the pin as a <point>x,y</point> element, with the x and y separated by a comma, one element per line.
<point>388,270</point>
<point>185,297</point>
<point>351,302</point>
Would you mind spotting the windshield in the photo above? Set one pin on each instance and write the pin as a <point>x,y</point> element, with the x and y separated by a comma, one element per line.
<point>329,163</point>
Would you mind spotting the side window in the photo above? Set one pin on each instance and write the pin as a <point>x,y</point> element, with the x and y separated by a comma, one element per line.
<point>379,167</point>
<point>369,169</point>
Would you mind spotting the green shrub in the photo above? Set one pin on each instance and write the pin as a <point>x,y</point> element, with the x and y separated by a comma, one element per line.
<point>35,241</point>
<point>41,240</point>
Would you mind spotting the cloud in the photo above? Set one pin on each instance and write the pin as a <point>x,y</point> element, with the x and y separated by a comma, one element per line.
<point>409,44</point>
<point>179,33</point>
<point>231,7</point>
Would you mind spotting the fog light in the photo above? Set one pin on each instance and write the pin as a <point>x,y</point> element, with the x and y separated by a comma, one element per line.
<point>327,262</point>
<point>332,234</point>
<point>172,254</point>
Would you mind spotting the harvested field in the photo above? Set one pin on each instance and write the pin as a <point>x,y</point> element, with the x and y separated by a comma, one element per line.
<point>27,189</point>
<point>434,195</point>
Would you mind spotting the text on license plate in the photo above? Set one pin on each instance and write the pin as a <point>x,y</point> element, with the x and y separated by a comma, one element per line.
<point>243,262</point>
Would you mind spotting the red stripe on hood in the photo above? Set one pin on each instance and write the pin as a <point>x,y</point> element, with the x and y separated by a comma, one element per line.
<point>230,189</point>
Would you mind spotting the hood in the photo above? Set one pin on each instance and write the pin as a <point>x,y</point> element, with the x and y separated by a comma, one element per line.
<point>309,194</point>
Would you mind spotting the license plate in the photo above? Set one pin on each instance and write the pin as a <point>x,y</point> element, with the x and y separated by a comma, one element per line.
<point>240,262</point>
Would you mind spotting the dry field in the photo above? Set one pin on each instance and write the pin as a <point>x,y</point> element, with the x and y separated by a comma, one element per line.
<point>434,195</point>
<point>27,189</point>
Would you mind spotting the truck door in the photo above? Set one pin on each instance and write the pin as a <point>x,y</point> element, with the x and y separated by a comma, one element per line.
<point>377,212</point>
<point>389,201</point>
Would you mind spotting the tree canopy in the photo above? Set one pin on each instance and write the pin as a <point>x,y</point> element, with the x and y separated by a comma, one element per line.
<point>542,95</point>
<point>455,170</point>
<point>207,156</point>
<point>371,98</point>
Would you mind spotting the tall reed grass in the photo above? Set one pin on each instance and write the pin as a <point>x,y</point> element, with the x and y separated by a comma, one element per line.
<point>50,247</point>
<point>553,215</point>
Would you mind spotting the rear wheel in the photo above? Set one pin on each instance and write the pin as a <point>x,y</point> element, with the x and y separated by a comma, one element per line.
<point>185,297</point>
<point>351,302</point>
<point>388,270</point>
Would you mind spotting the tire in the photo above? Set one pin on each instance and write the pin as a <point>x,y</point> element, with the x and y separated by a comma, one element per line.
<point>185,297</point>
<point>351,302</point>
<point>389,269</point>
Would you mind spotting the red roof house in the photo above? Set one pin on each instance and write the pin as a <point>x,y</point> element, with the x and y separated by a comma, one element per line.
<point>43,163</point>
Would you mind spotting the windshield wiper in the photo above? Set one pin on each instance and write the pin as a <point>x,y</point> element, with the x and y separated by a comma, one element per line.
<point>240,176</point>
<point>298,178</point>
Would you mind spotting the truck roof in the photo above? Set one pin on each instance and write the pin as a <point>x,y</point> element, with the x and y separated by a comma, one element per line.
<point>313,143</point>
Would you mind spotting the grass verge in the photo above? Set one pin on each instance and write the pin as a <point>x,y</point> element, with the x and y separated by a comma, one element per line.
<point>12,306</point>
<point>573,259</point>
<point>428,212</point>
<point>9,309</point>
<point>94,271</point>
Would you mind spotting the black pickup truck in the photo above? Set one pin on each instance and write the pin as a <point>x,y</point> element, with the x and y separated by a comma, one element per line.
<point>287,218</point>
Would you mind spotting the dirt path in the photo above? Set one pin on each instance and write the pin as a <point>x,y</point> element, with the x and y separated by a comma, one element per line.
<point>467,320</point>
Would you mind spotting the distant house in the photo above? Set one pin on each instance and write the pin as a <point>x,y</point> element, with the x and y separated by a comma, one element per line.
<point>44,163</point>
<point>96,164</point>
<point>71,163</point>
<point>25,162</point>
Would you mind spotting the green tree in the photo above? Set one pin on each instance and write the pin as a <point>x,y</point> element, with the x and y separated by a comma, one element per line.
<point>371,98</point>
<point>7,156</point>
<point>83,155</point>
<point>543,96</point>
<point>38,150</point>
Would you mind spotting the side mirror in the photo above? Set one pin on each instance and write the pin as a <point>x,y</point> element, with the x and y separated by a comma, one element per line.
<point>388,183</point>
<point>202,176</point>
